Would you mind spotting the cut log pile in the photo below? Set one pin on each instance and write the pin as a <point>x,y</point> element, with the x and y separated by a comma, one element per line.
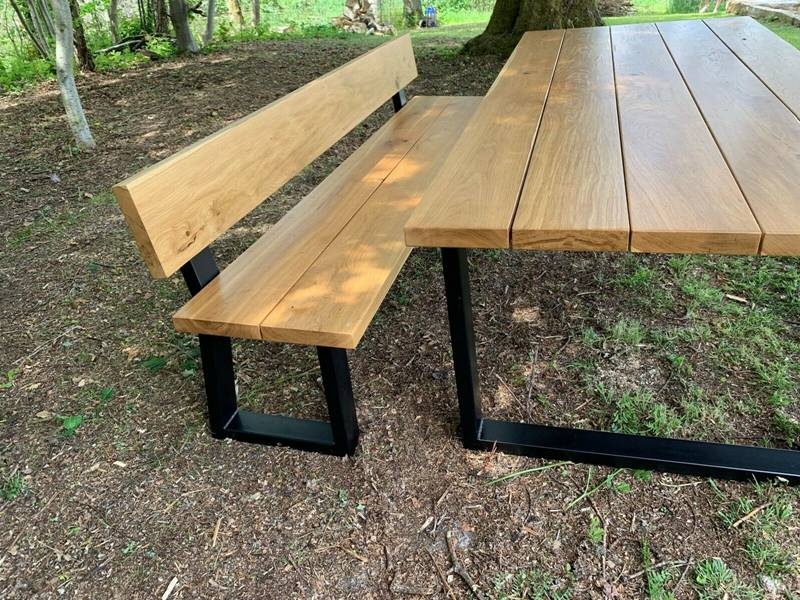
<point>360,16</point>
<point>615,8</point>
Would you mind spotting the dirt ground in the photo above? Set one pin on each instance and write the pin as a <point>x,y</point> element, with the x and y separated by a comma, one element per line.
<point>112,487</point>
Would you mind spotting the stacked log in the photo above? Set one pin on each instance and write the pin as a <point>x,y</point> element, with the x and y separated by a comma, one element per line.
<point>615,8</point>
<point>359,16</point>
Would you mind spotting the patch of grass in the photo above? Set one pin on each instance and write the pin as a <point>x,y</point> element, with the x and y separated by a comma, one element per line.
<point>7,379</point>
<point>154,364</point>
<point>716,581</point>
<point>13,487</point>
<point>790,33</point>
<point>763,522</point>
<point>639,413</point>
<point>629,332</point>
<point>130,548</point>
<point>45,226</point>
<point>657,579</point>
<point>69,425</point>
<point>595,532</point>
<point>530,584</point>
<point>656,18</point>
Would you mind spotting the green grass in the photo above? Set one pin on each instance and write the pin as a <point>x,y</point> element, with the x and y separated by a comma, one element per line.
<point>717,581</point>
<point>790,33</point>
<point>657,18</point>
<point>12,487</point>
<point>530,584</point>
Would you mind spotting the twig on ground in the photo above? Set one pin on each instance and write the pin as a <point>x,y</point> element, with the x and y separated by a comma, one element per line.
<point>750,515</point>
<point>683,575</point>
<point>216,533</point>
<point>445,585</point>
<point>459,570</point>
<point>516,474</point>
<point>665,563</point>
<point>173,582</point>
<point>355,554</point>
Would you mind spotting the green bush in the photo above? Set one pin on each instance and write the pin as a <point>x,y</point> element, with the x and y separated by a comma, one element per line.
<point>161,47</point>
<point>129,27</point>
<point>682,6</point>
<point>17,71</point>
<point>112,61</point>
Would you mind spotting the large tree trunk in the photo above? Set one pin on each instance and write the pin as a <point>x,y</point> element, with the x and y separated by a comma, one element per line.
<point>66,79</point>
<point>209,33</point>
<point>85,60</point>
<point>511,18</point>
<point>256,14</point>
<point>235,9</point>
<point>179,15</point>
<point>161,17</point>
<point>412,12</point>
<point>113,20</point>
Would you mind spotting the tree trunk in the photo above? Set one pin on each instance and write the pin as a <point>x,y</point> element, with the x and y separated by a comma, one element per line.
<point>44,49</point>
<point>161,17</point>
<point>66,79</point>
<point>235,9</point>
<point>412,12</point>
<point>256,14</point>
<point>85,60</point>
<point>511,18</point>
<point>113,20</point>
<point>209,33</point>
<point>179,15</point>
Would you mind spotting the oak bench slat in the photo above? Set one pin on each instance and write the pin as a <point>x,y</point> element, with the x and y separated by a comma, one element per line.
<point>273,290</point>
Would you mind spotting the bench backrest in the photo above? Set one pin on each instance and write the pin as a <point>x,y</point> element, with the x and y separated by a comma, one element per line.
<point>180,205</point>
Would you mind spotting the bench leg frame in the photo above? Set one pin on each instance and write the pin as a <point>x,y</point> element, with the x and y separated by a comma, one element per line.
<point>688,457</point>
<point>339,436</point>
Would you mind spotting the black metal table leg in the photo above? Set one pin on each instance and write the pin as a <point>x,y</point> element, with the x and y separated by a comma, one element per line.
<point>600,447</point>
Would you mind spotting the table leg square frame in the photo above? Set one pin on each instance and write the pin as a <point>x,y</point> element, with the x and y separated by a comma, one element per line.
<point>689,457</point>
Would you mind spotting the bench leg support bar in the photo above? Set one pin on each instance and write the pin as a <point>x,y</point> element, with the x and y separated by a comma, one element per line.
<point>338,436</point>
<point>615,449</point>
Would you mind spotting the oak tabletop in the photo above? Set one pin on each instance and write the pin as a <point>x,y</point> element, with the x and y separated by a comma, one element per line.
<point>678,137</point>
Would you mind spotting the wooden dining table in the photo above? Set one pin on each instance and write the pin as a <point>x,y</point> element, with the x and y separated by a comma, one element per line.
<point>676,137</point>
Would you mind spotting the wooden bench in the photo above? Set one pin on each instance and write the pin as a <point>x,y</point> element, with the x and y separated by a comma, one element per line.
<point>319,275</point>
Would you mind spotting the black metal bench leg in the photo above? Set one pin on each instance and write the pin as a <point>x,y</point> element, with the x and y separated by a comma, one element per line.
<point>339,436</point>
<point>601,447</point>
<point>217,357</point>
<point>339,395</point>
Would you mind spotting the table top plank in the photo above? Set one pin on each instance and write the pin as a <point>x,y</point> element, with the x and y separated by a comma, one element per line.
<point>757,133</point>
<point>472,200</point>
<point>775,61</point>
<point>682,197</point>
<point>574,197</point>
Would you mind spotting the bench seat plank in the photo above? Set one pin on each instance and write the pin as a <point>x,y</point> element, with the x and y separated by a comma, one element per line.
<point>471,202</point>
<point>682,196</point>
<point>757,133</point>
<point>574,193</point>
<point>335,300</point>
<point>240,298</point>
<point>775,61</point>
